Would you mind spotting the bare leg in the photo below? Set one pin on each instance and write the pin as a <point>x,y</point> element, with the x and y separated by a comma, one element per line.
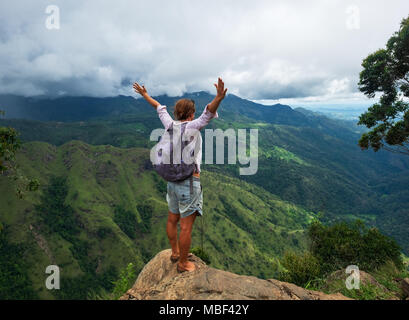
<point>172,231</point>
<point>185,239</point>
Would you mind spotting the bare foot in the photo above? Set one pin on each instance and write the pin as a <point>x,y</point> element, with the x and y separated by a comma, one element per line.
<point>187,266</point>
<point>177,255</point>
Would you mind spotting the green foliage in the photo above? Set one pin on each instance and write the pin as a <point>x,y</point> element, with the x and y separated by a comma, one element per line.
<point>344,244</point>
<point>146,211</point>
<point>86,286</point>
<point>300,269</point>
<point>275,225</point>
<point>160,183</point>
<point>282,154</point>
<point>337,246</point>
<point>126,279</point>
<point>333,181</point>
<point>58,216</point>
<point>384,284</point>
<point>395,223</point>
<point>9,144</point>
<point>386,71</point>
<point>78,202</point>
<point>388,276</point>
<point>80,251</point>
<point>366,291</point>
<point>126,221</point>
<point>202,254</point>
<point>103,232</point>
<point>232,213</point>
<point>14,280</point>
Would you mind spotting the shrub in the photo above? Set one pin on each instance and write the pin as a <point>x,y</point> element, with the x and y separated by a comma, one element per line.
<point>344,244</point>
<point>201,254</point>
<point>300,269</point>
<point>125,281</point>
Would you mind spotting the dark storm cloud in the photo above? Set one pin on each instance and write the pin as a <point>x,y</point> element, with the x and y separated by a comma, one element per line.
<point>262,49</point>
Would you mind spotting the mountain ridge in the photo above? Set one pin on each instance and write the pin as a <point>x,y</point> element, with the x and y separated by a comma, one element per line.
<point>340,180</point>
<point>29,108</point>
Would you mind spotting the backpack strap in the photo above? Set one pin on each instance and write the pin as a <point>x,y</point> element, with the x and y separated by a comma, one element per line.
<point>191,186</point>
<point>183,128</point>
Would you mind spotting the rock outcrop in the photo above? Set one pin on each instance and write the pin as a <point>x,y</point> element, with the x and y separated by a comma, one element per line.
<point>159,280</point>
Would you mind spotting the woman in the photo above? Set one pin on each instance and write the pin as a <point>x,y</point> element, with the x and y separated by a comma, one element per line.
<point>184,206</point>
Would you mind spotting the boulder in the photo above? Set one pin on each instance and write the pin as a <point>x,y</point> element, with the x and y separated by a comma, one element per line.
<point>159,280</point>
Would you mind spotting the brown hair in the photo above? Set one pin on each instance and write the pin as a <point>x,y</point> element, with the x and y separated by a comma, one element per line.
<point>184,108</point>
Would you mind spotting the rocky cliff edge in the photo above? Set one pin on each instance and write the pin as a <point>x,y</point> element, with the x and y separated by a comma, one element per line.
<point>159,280</point>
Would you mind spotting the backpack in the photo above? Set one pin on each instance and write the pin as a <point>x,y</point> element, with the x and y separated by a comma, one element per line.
<point>171,171</point>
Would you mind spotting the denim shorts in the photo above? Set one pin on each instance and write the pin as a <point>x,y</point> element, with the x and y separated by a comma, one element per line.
<point>181,201</point>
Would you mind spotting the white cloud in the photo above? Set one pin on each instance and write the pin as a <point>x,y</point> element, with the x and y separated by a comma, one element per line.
<point>338,86</point>
<point>263,49</point>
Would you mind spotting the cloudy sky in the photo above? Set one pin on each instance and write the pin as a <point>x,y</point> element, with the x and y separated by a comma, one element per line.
<point>298,52</point>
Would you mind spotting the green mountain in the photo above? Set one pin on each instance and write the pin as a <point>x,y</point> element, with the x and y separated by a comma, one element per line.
<point>304,158</point>
<point>101,207</point>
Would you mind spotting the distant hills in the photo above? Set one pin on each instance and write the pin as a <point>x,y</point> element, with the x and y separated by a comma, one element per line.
<point>340,178</point>
<point>310,166</point>
<point>68,109</point>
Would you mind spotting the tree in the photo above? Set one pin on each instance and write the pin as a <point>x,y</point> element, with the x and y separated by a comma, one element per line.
<point>9,144</point>
<point>386,71</point>
<point>352,243</point>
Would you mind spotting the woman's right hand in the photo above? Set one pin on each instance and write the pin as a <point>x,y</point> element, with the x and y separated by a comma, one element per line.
<point>221,92</point>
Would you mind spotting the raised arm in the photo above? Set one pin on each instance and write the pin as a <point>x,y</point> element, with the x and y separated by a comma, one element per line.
<point>161,110</point>
<point>142,91</point>
<point>221,93</point>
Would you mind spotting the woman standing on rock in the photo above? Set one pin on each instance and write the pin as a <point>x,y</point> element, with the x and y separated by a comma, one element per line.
<point>184,192</point>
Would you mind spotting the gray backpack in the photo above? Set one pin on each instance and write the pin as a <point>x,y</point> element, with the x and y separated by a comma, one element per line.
<point>173,171</point>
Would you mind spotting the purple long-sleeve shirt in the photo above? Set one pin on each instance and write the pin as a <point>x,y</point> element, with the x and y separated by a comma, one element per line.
<point>196,124</point>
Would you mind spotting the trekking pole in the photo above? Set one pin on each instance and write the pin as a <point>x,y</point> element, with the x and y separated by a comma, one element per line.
<point>202,228</point>
<point>201,236</point>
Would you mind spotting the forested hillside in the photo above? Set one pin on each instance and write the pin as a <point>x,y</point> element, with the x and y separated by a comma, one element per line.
<point>101,207</point>
<point>304,158</point>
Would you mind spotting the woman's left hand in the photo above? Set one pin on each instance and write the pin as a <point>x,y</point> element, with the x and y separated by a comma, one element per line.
<point>141,90</point>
